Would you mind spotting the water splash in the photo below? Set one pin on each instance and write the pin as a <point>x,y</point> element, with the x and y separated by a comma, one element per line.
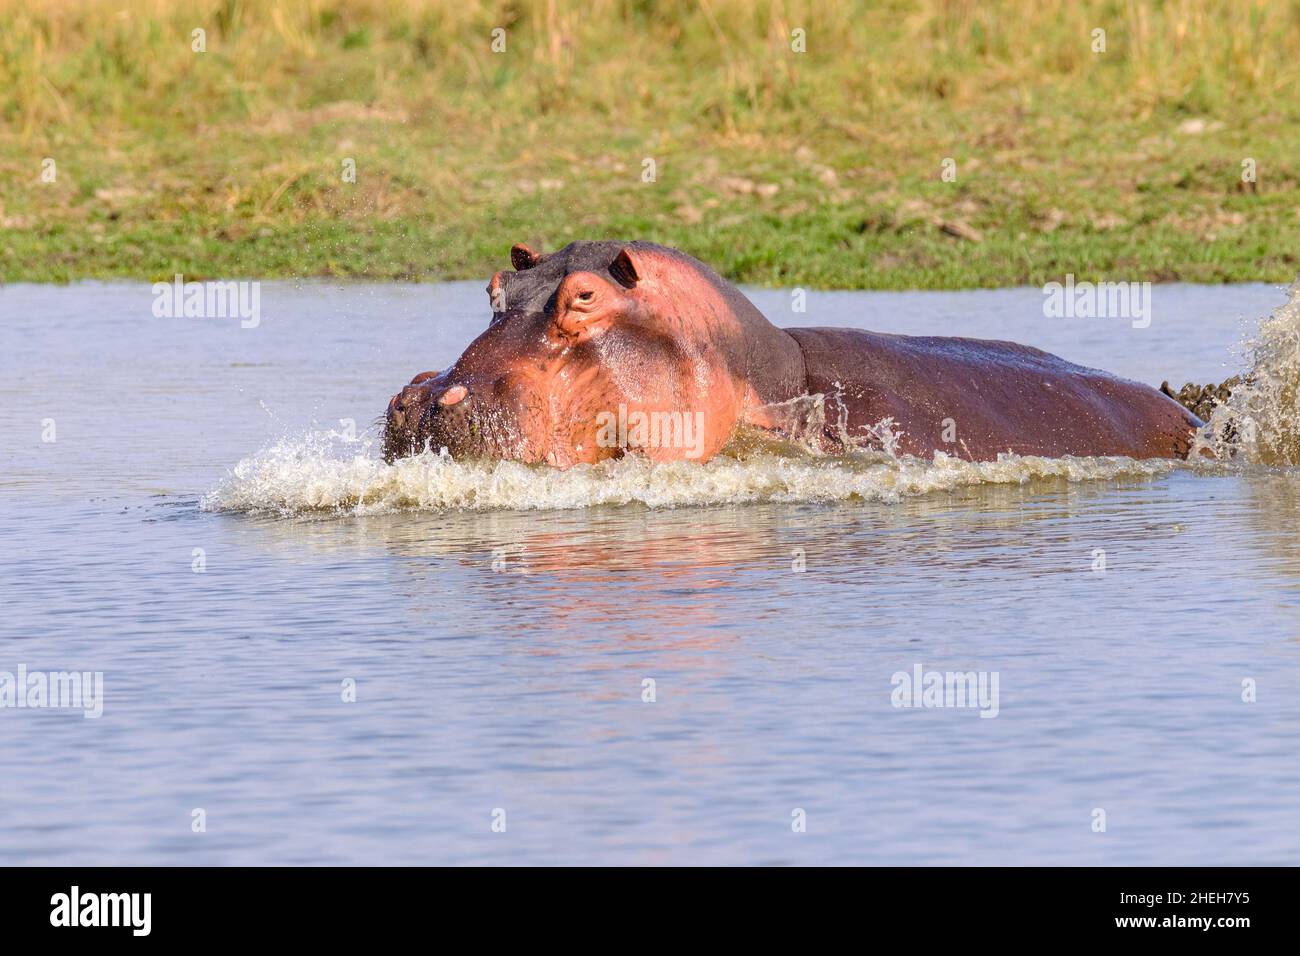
<point>803,421</point>
<point>1260,421</point>
<point>324,473</point>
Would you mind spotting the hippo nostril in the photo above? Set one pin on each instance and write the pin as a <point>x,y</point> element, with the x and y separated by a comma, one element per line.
<point>453,395</point>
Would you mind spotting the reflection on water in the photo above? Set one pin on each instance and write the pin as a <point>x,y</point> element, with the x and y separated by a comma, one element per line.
<point>500,656</point>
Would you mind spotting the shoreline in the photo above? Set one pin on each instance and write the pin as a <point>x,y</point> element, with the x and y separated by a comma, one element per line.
<point>934,150</point>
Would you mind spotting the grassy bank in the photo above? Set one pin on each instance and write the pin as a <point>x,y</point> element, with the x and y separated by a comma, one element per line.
<point>821,168</point>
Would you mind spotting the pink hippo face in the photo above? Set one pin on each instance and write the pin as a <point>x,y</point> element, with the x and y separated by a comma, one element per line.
<point>595,351</point>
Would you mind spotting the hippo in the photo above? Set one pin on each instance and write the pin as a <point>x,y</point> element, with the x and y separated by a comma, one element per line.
<point>603,349</point>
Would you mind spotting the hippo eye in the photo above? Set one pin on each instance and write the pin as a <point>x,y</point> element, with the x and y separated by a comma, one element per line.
<point>586,296</point>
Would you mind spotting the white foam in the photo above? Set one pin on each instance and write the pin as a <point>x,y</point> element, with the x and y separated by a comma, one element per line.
<point>1260,421</point>
<point>321,472</point>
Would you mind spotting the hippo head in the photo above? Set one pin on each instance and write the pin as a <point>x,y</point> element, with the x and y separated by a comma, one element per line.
<point>593,351</point>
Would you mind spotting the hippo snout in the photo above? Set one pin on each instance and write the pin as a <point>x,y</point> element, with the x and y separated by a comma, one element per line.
<point>406,411</point>
<point>426,412</point>
<point>401,404</point>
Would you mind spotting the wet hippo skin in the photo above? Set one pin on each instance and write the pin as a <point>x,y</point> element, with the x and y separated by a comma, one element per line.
<point>974,398</point>
<point>602,349</point>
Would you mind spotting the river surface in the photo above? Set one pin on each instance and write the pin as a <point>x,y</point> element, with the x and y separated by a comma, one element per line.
<point>310,657</point>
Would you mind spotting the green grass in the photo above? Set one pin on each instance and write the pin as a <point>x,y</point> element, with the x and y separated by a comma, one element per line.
<point>821,168</point>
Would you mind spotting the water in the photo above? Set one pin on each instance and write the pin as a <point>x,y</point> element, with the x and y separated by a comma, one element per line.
<point>520,688</point>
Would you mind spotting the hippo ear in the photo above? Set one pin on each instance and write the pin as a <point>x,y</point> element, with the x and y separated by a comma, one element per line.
<point>624,270</point>
<point>521,257</point>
